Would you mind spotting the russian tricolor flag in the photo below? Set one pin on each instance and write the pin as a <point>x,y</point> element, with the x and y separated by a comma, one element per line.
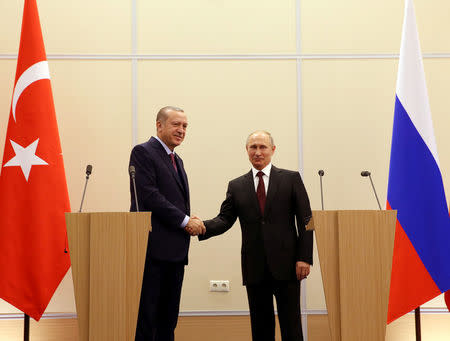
<point>421,261</point>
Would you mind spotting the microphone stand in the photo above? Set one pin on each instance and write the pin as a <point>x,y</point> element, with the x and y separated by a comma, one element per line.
<point>374,191</point>
<point>88,172</point>
<point>132,171</point>
<point>417,310</point>
<point>367,173</point>
<point>135,195</point>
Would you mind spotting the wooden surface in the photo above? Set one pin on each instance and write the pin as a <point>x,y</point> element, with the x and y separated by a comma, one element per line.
<point>435,327</point>
<point>318,328</point>
<point>111,258</point>
<point>366,242</point>
<point>44,330</point>
<point>78,229</point>
<point>355,254</point>
<point>326,229</point>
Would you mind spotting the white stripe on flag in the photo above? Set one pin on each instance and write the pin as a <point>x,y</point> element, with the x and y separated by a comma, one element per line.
<point>411,84</point>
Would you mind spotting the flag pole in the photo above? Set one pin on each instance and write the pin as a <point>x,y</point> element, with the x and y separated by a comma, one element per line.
<point>417,320</point>
<point>26,327</point>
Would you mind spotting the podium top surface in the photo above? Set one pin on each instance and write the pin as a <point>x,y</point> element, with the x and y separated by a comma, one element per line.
<point>324,215</point>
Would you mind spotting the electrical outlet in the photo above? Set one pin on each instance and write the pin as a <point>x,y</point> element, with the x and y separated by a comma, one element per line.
<point>219,285</point>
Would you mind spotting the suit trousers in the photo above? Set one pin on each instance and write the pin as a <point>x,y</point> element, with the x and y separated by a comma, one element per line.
<point>160,300</point>
<point>262,316</point>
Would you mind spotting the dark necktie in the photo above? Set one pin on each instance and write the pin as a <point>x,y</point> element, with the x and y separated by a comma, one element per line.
<point>261,192</point>
<point>172,156</point>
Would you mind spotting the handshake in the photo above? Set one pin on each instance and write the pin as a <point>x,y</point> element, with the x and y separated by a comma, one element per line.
<point>195,226</point>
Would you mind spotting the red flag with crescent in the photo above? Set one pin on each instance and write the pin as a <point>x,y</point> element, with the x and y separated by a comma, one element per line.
<point>33,190</point>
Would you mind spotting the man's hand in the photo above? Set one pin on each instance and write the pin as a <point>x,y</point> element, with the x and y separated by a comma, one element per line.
<point>302,270</point>
<point>203,227</point>
<point>195,226</point>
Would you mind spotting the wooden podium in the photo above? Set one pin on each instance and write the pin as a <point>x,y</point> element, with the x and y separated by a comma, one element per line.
<point>355,254</point>
<point>107,251</point>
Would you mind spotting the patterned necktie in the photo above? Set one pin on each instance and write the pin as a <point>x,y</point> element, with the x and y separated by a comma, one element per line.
<point>261,192</point>
<point>172,156</point>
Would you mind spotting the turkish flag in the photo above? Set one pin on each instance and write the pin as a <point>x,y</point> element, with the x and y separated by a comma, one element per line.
<point>33,190</point>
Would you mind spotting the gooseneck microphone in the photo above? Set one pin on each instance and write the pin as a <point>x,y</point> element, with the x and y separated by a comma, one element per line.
<point>132,172</point>
<point>321,174</point>
<point>365,174</point>
<point>88,172</point>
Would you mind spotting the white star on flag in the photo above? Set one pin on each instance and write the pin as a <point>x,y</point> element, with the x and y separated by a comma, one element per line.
<point>25,157</point>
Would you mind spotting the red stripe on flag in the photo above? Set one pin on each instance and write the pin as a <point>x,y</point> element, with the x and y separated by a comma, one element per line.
<point>411,284</point>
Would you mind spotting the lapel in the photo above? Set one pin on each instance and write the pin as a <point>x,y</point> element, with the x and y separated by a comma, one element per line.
<point>274,182</point>
<point>249,187</point>
<point>165,159</point>
<point>182,174</point>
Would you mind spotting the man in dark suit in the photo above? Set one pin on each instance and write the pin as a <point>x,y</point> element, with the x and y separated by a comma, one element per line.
<point>276,253</point>
<point>162,188</point>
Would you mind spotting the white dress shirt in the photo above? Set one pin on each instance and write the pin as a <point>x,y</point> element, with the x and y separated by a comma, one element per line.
<point>266,171</point>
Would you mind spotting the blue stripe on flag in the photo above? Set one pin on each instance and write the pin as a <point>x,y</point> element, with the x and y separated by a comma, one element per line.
<point>416,190</point>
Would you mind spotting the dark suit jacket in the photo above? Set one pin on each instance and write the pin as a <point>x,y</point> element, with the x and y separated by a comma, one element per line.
<point>274,237</point>
<point>164,192</point>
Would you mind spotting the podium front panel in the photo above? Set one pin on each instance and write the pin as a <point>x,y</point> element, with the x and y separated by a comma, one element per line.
<point>108,256</point>
<point>366,242</point>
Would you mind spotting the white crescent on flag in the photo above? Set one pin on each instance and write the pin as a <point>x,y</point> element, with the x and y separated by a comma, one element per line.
<point>34,73</point>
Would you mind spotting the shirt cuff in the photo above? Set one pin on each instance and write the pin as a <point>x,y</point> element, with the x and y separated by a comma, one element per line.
<point>185,221</point>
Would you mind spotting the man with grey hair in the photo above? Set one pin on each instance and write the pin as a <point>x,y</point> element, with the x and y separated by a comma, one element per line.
<point>276,252</point>
<point>162,188</point>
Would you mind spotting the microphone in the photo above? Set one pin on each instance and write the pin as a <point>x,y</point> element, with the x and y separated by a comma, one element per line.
<point>365,174</point>
<point>88,172</point>
<point>321,174</point>
<point>132,172</point>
